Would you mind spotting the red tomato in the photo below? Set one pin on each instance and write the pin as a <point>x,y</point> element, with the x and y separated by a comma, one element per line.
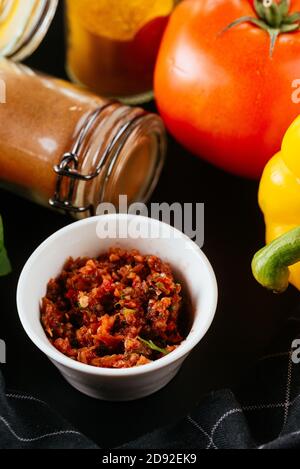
<point>220,92</point>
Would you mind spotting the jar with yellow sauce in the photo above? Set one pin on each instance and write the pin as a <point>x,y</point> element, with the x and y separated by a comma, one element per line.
<point>113,45</point>
<point>23,25</point>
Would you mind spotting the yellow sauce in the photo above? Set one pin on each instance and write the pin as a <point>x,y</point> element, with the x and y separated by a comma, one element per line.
<point>112,45</point>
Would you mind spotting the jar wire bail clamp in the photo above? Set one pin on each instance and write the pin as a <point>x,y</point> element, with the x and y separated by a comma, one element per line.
<point>69,164</point>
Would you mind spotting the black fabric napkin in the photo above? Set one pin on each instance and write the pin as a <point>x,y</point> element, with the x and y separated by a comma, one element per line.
<point>264,414</point>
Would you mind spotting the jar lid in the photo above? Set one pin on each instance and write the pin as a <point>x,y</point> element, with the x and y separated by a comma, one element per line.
<point>23,26</point>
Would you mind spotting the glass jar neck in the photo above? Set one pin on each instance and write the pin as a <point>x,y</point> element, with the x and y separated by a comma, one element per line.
<point>118,151</point>
<point>23,26</point>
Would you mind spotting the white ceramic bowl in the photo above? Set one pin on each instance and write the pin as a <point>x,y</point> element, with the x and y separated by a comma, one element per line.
<point>89,238</point>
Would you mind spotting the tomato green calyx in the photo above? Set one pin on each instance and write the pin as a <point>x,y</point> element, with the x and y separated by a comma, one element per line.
<point>273,17</point>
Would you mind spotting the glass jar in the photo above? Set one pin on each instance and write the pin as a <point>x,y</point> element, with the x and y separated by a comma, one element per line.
<point>23,25</point>
<point>62,145</point>
<point>113,45</point>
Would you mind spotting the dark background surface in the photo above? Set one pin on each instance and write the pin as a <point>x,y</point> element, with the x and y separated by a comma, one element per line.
<point>247,320</point>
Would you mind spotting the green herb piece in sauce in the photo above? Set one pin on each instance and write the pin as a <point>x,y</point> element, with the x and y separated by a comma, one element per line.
<point>127,311</point>
<point>5,266</point>
<point>152,346</point>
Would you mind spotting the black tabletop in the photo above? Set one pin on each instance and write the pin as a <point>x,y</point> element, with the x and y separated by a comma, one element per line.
<point>247,320</point>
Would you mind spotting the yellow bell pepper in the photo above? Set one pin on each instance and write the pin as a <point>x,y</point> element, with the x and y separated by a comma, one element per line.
<point>279,195</point>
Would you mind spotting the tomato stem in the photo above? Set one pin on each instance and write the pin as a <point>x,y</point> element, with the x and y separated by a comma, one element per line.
<point>272,17</point>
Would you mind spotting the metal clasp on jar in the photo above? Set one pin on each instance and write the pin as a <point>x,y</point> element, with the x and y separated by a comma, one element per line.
<point>68,167</point>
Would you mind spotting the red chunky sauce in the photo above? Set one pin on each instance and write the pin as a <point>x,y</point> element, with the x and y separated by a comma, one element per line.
<point>119,310</point>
